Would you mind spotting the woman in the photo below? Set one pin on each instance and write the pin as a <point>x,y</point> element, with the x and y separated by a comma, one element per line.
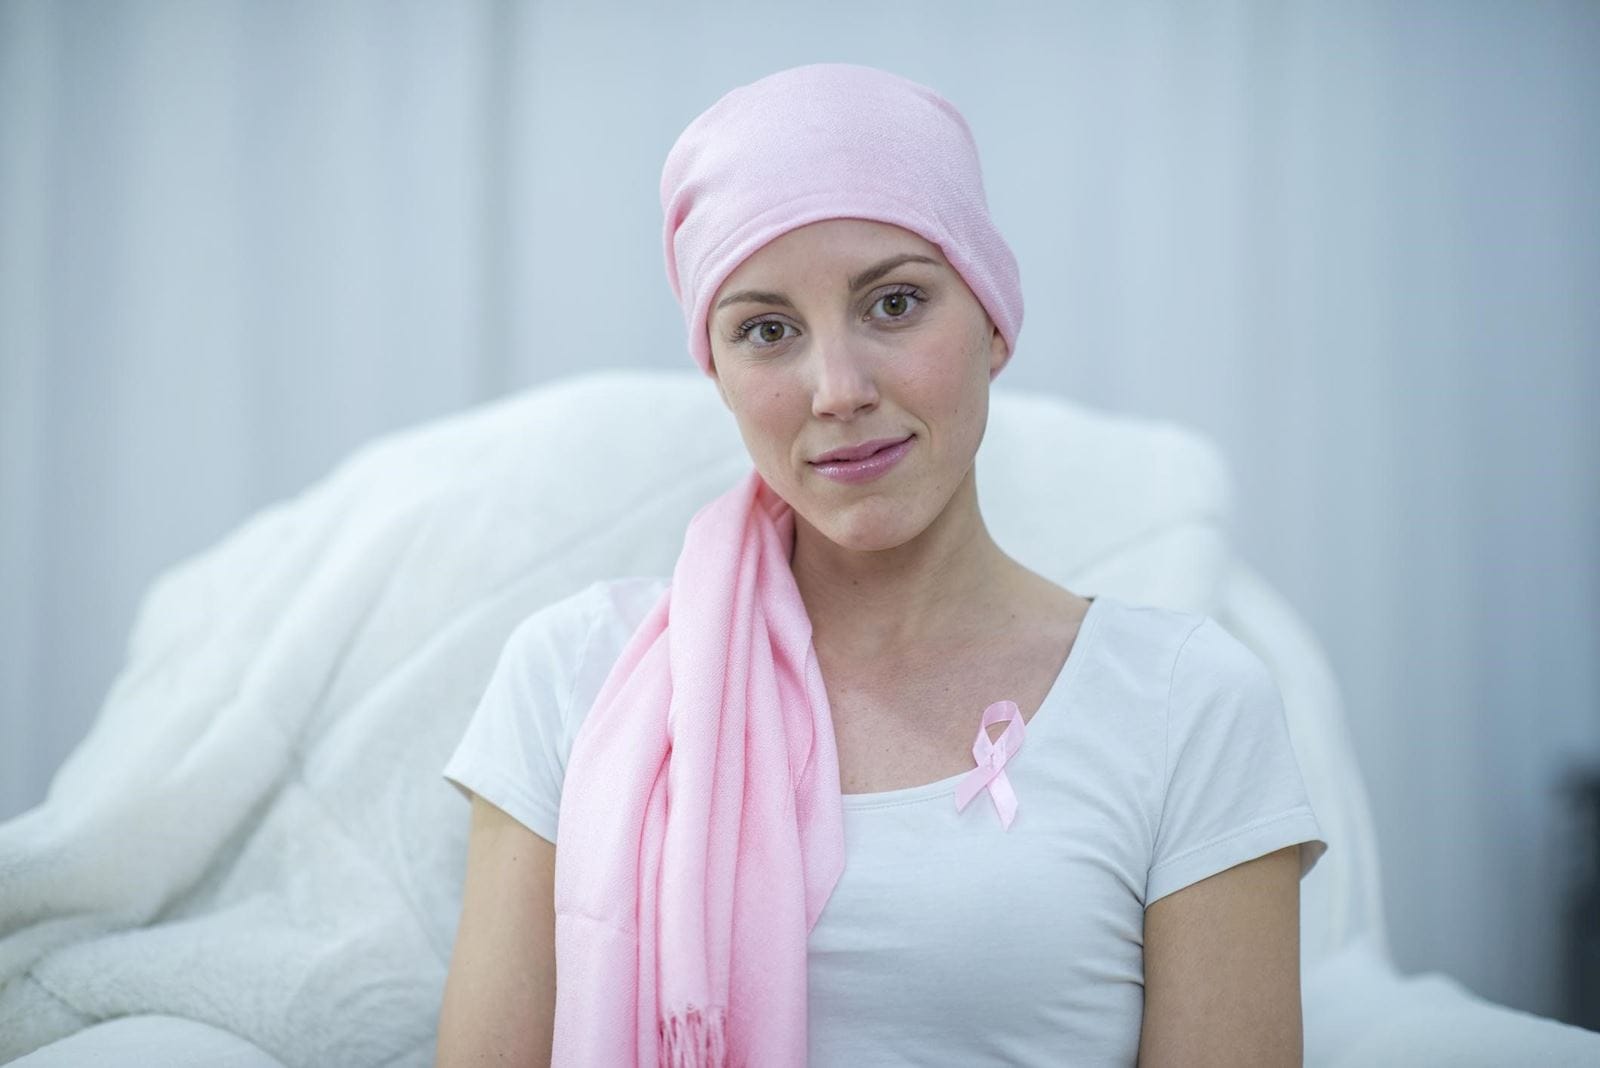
<point>770,853</point>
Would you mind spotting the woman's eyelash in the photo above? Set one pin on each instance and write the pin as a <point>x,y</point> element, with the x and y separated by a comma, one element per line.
<point>743,329</point>
<point>901,291</point>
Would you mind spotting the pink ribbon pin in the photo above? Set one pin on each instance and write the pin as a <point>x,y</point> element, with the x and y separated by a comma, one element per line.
<point>991,755</point>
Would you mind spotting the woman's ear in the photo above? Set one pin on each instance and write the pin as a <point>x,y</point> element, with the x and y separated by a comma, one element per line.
<point>999,351</point>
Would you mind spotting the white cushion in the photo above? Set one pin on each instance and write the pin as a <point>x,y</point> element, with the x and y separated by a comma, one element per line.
<point>141,1041</point>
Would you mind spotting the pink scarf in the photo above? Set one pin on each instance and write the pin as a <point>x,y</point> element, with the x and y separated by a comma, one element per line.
<point>659,812</point>
<point>701,826</point>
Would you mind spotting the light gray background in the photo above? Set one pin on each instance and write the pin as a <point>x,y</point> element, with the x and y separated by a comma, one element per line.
<point>1358,244</point>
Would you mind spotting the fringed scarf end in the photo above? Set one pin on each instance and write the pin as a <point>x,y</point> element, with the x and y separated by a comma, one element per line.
<point>694,1039</point>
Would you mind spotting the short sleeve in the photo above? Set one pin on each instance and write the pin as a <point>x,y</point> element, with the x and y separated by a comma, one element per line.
<point>514,751</point>
<point>1233,789</point>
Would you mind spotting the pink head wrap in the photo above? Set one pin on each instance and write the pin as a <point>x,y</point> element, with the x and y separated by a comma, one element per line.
<point>828,141</point>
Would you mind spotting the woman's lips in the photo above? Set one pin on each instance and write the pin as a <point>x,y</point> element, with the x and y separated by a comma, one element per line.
<point>867,469</point>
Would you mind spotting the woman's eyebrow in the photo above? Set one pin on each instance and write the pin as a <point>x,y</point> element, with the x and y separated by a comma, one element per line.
<point>865,278</point>
<point>872,274</point>
<point>754,296</point>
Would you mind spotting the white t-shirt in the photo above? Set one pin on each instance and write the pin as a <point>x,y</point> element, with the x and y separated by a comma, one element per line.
<point>1159,757</point>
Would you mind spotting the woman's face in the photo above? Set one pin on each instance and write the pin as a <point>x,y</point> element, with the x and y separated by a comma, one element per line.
<point>847,331</point>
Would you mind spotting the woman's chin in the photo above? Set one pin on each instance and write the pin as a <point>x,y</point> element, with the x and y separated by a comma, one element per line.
<point>868,527</point>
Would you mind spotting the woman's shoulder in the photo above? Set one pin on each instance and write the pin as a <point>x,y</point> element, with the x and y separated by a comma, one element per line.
<point>1142,628</point>
<point>1194,652</point>
<point>627,598</point>
<point>1199,677</point>
<point>603,613</point>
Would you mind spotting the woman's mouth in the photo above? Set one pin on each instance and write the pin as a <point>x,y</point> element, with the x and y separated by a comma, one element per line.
<point>867,468</point>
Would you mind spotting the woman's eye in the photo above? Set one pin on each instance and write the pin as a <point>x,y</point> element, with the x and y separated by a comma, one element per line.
<point>762,332</point>
<point>765,333</point>
<point>770,332</point>
<point>899,303</point>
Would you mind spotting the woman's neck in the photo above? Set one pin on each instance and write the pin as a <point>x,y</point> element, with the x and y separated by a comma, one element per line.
<point>927,592</point>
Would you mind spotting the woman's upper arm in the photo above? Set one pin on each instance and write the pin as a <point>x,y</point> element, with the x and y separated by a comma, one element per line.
<point>1222,968</point>
<point>499,997</point>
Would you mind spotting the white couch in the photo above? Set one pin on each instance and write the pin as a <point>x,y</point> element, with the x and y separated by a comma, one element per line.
<point>252,858</point>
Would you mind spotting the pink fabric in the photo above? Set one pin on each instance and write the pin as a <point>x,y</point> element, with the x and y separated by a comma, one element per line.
<point>697,845</point>
<point>826,141</point>
<point>701,828</point>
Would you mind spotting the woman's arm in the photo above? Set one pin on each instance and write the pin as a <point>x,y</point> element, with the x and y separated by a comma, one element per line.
<point>500,995</point>
<point>1222,969</point>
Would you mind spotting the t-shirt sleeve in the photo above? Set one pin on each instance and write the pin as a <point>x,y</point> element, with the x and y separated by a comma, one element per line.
<point>513,753</point>
<point>1233,789</point>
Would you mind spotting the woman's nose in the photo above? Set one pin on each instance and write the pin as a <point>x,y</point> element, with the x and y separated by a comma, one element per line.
<point>844,379</point>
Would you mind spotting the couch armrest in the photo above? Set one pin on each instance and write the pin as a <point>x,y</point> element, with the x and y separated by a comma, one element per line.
<point>1359,1013</point>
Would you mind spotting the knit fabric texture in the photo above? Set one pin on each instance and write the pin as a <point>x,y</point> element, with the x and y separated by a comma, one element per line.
<point>827,141</point>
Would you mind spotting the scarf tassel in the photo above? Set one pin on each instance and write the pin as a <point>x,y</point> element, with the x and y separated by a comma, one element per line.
<point>692,1039</point>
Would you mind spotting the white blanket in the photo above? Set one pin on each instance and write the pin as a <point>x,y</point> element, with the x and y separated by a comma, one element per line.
<point>255,834</point>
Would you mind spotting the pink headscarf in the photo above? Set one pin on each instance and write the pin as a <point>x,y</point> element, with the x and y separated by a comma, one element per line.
<point>701,830</point>
<point>828,141</point>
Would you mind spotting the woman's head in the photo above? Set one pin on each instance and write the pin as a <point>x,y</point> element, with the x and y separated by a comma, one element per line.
<point>788,191</point>
<point>827,141</point>
<point>844,332</point>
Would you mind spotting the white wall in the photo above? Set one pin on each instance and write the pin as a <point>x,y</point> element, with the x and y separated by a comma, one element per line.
<point>1359,244</point>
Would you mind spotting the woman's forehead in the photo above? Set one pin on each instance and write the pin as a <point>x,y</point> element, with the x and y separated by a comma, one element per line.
<point>824,249</point>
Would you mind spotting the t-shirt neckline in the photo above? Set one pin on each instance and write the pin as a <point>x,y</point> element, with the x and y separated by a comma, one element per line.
<point>1057,694</point>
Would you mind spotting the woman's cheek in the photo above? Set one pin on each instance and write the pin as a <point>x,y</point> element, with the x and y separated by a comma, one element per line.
<point>767,431</point>
<point>774,412</point>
